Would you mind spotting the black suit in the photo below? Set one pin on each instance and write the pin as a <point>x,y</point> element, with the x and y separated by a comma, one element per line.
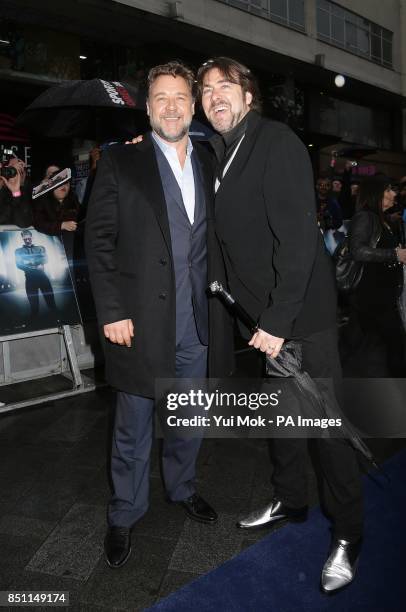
<point>266,220</point>
<point>279,270</point>
<point>130,261</point>
<point>148,263</point>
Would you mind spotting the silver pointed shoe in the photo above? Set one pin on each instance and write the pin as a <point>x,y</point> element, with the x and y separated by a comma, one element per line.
<point>340,567</point>
<point>275,512</point>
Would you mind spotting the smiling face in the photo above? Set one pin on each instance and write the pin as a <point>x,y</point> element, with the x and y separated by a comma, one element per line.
<point>170,107</point>
<point>224,103</point>
<point>61,192</point>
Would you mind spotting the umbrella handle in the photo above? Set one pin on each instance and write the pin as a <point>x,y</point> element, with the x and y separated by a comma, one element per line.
<point>217,288</point>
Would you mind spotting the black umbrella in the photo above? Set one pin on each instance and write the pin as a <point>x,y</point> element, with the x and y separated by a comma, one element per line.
<point>288,364</point>
<point>356,152</point>
<point>95,109</point>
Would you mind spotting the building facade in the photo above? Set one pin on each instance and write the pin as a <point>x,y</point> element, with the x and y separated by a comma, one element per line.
<point>297,48</point>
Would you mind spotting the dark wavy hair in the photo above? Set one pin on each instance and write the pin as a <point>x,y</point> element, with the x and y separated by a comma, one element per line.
<point>371,193</point>
<point>235,72</point>
<point>175,69</point>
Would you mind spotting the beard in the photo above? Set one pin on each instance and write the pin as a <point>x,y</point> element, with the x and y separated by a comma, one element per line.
<point>225,124</point>
<point>170,136</point>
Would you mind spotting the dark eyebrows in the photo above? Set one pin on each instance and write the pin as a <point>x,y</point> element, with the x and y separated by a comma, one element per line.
<point>220,81</point>
<point>165,93</point>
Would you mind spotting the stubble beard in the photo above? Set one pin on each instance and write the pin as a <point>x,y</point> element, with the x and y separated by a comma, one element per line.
<point>222,128</point>
<point>170,137</point>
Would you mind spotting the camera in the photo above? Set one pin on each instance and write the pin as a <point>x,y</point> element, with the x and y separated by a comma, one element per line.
<point>6,171</point>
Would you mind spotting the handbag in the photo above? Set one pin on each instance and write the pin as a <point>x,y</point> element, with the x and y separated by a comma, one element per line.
<point>348,271</point>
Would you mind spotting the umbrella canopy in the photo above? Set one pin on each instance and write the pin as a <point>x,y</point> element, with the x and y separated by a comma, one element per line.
<point>94,109</point>
<point>357,152</point>
<point>322,402</point>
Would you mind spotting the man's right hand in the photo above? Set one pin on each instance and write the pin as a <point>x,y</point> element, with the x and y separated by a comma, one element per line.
<point>401,253</point>
<point>69,226</point>
<point>120,332</point>
<point>135,140</point>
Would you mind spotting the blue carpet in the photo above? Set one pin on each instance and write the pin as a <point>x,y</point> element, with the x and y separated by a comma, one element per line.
<point>281,573</point>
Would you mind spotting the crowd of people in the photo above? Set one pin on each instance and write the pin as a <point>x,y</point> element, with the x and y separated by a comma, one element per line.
<point>53,213</point>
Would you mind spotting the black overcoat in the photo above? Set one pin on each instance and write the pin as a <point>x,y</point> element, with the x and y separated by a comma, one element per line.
<point>128,247</point>
<point>277,265</point>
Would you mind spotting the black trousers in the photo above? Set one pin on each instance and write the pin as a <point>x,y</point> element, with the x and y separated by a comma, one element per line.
<point>35,282</point>
<point>376,336</point>
<point>341,479</point>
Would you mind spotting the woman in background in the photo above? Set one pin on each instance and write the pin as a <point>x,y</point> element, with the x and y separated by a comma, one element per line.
<point>375,319</point>
<point>57,210</point>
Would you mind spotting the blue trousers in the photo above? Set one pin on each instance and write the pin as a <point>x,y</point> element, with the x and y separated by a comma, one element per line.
<point>132,440</point>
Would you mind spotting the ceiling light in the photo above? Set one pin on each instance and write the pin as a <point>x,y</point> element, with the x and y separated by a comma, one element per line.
<point>339,80</point>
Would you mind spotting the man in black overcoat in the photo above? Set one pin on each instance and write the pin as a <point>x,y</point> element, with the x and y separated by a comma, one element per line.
<point>278,269</point>
<point>150,247</point>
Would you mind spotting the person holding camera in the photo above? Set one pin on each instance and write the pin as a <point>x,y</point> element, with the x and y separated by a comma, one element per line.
<point>15,197</point>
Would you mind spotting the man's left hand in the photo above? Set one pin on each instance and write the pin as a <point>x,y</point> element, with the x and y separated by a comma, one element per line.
<point>271,345</point>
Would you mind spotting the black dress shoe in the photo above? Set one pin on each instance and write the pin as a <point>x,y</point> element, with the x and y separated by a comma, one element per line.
<point>271,514</point>
<point>117,546</point>
<point>198,509</point>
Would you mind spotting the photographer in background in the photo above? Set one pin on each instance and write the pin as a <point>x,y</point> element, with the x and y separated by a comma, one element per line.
<point>15,193</point>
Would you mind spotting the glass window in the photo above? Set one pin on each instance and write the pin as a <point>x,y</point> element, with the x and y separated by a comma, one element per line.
<point>363,41</point>
<point>350,35</point>
<point>337,11</point>
<point>387,52</point>
<point>337,30</point>
<point>323,23</point>
<point>344,28</point>
<point>387,35</point>
<point>288,12</point>
<point>376,47</point>
<point>279,8</point>
<point>259,6</point>
<point>323,4</point>
<point>296,12</point>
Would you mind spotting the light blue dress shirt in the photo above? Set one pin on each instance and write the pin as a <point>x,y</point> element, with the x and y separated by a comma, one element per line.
<point>184,176</point>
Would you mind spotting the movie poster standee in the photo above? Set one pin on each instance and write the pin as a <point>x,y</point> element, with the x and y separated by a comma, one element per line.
<point>37,300</point>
